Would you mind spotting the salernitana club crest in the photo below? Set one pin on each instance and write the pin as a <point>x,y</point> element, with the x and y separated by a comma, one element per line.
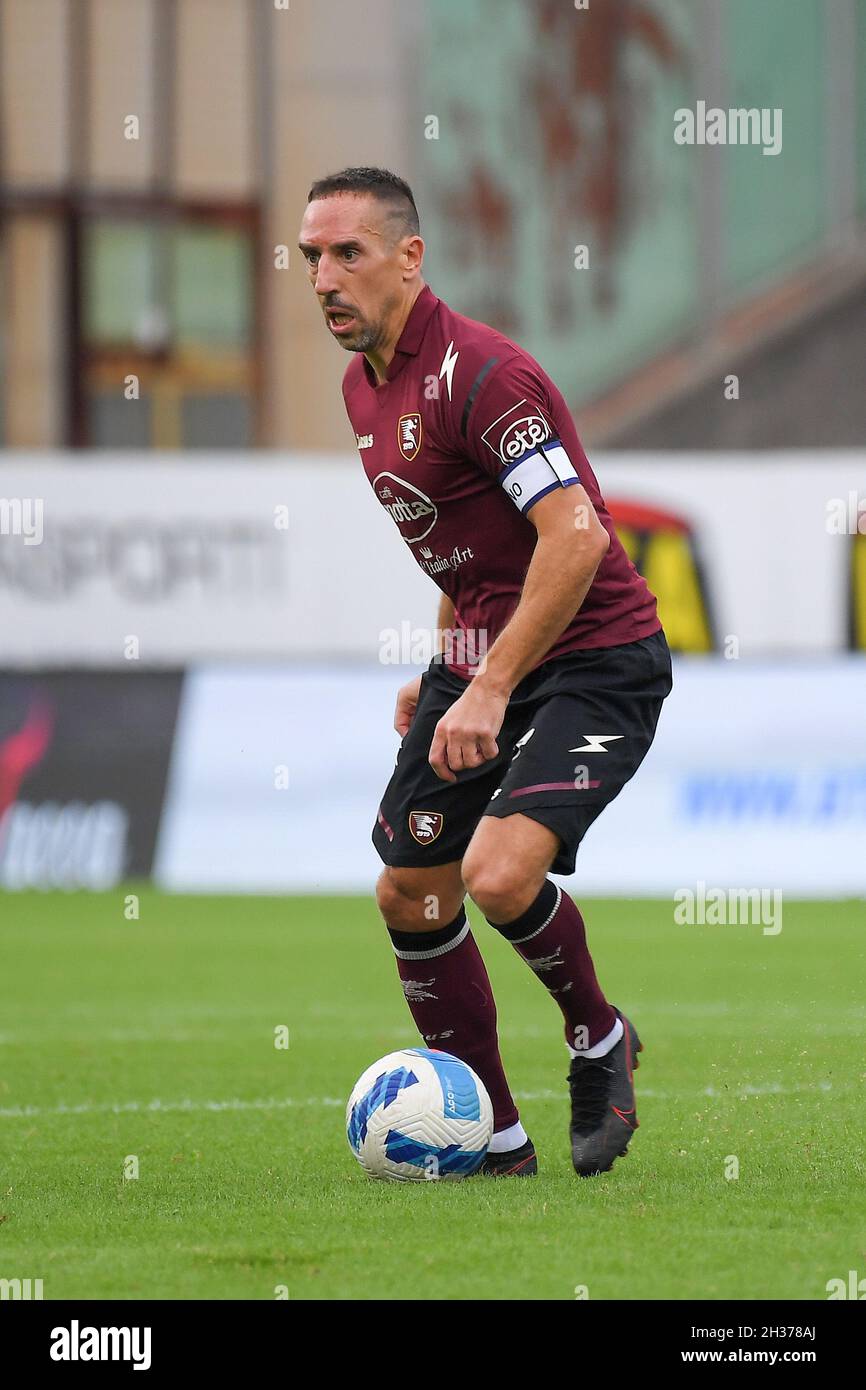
<point>426,826</point>
<point>409,435</point>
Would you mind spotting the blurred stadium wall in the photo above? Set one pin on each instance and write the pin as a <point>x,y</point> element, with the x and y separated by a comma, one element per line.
<point>190,687</point>
<point>154,153</point>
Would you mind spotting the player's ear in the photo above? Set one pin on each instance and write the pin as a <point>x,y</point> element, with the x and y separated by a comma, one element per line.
<point>413,253</point>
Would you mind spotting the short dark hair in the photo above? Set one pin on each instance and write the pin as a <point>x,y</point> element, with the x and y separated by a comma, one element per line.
<point>380,184</point>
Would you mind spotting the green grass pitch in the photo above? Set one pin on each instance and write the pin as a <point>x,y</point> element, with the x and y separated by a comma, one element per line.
<point>154,1039</point>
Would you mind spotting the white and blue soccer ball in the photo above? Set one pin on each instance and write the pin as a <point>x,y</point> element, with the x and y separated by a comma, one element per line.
<point>418,1115</point>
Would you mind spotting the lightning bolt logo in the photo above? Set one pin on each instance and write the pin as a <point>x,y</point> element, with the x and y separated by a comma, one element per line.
<point>449,362</point>
<point>595,743</point>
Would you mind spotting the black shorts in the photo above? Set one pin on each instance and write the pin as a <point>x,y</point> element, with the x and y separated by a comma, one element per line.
<point>575,730</point>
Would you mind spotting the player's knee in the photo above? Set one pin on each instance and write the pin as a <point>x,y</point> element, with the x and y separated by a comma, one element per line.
<point>392,901</point>
<point>500,890</point>
<point>409,902</point>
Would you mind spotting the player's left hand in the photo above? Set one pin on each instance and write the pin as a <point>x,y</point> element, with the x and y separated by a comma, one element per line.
<point>466,735</point>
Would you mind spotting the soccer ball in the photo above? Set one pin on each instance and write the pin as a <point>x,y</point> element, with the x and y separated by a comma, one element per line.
<point>419,1114</point>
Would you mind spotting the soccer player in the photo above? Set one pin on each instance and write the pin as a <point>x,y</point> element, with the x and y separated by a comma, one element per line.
<point>546,696</point>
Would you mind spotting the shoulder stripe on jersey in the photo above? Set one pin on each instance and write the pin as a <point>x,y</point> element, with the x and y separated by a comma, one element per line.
<point>473,392</point>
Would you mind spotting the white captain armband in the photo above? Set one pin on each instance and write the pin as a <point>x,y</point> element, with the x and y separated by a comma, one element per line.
<point>536,474</point>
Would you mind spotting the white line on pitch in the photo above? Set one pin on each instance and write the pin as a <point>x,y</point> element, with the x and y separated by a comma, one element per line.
<point>157,1107</point>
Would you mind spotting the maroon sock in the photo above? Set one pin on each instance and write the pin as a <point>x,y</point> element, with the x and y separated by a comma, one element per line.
<point>447,988</point>
<point>551,938</point>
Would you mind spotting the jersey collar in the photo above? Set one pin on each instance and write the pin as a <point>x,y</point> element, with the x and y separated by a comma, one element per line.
<point>410,340</point>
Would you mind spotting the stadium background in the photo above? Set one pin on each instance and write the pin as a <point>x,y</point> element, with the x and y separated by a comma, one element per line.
<point>208,543</point>
<point>197,638</point>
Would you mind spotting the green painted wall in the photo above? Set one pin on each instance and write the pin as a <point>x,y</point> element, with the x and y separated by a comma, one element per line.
<point>556,129</point>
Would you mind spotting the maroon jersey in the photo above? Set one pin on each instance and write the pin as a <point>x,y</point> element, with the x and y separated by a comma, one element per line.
<point>466,433</point>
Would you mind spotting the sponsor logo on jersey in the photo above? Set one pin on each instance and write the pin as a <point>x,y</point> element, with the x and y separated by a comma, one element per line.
<point>435,564</point>
<point>516,431</point>
<point>414,512</point>
<point>365,441</point>
<point>409,435</point>
<point>522,436</point>
<point>426,826</point>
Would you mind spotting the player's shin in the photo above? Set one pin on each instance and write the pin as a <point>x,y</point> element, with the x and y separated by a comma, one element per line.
<point>447,989</point>
<point>550,936</point>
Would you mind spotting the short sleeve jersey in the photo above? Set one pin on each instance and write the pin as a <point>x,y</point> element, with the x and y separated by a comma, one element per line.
<point>463,438</point>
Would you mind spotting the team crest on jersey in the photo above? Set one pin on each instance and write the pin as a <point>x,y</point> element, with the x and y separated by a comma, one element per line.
<point>426,826</point>
<point>409,435</point>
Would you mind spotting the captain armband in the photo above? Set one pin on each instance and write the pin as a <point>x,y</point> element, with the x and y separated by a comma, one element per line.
<point>537,473</point>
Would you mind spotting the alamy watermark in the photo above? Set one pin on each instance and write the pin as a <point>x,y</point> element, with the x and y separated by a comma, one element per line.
<point>409,646</point>
<point>715,907</point>
<point>77,1343</point>
<point>854,1287</point>
<point>23,1289</point>
<point>739,125</point>
<point>846,516</point>
<point>22,516</point>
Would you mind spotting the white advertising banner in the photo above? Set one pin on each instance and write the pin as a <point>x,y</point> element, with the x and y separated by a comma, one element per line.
<point>106,559</point>
<point>170,562</point>
<point>756,781</point>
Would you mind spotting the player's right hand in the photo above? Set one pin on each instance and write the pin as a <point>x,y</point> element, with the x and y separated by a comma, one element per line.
<point>407,702</point>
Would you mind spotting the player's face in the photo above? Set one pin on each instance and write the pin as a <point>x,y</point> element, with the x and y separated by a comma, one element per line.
<point>354,267</point>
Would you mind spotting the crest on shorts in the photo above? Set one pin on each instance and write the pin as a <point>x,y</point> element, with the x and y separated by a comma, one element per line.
<point>426,826</point>
<point>409,435</point>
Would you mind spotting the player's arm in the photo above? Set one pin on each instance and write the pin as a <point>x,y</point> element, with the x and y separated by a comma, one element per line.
<point>407,695</point>
<point>508,429</point>
<point>571,545</point>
